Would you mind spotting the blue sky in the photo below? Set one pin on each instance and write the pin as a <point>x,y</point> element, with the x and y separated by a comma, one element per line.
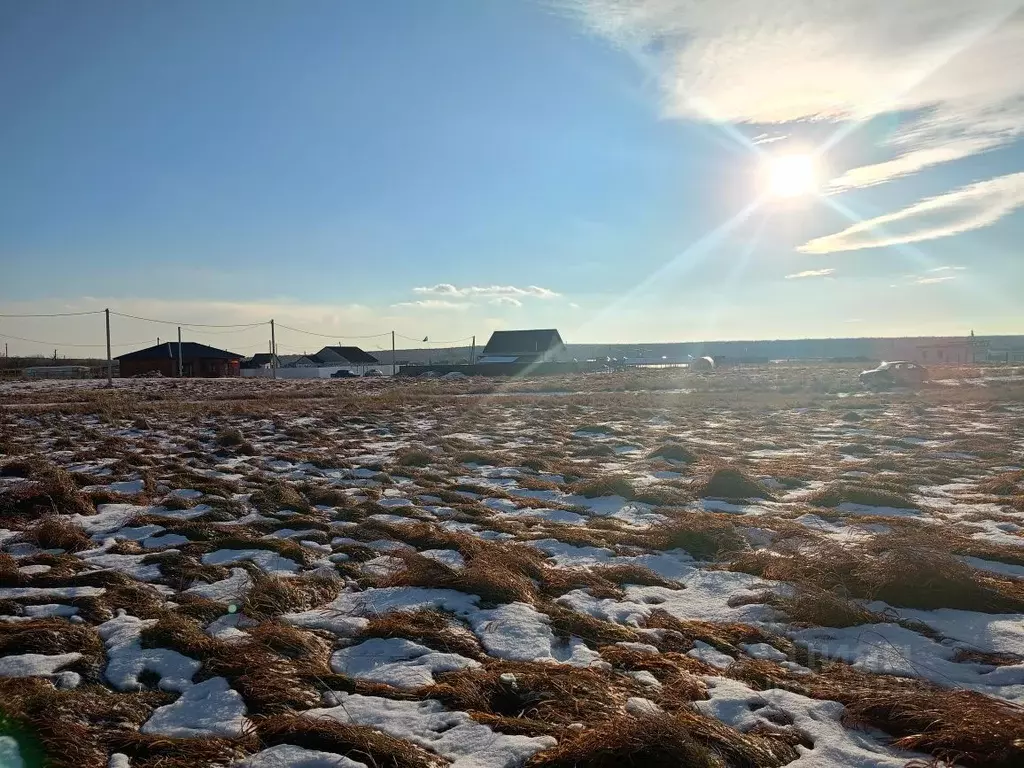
<point>453,167</point>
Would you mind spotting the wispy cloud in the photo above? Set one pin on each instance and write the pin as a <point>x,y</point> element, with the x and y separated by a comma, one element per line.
<point>485,291</point>
<point>971,207</point>
<point>434,304</point>
<point>810,273</point>
<point>933,280</point>
<point>946,269</point>
<point>955,68</point>
<point>506,301</point>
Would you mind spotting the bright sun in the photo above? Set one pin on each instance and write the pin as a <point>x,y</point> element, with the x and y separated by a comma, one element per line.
<point>792,175</point>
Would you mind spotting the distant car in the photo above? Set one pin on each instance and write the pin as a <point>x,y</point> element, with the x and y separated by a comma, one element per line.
<point>898,373</point>
<point>373,373</point>
<point>344,374</point>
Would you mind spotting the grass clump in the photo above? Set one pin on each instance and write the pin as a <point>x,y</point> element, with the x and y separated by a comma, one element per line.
<point>414,458</point>
<point>229,437</point>
<point>610,485</point>
<point>907,569</point>
<point>278,496</point>
<point>431,628</point>
<point>673,452</point>
<point>663,740</point>
<point>834,494</point>
<point>732,483</point>
<point>58,533</point>
<point>705,535</point>
<point>272,596</point>
<point>47,490</point>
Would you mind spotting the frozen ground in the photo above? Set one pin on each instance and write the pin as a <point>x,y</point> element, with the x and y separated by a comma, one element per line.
<point>745,569</point>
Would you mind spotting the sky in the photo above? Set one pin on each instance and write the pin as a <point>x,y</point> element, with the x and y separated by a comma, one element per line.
<point>451,168</point>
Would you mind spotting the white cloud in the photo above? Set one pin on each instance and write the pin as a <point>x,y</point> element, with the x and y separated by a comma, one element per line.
<point>932,280</point>
<point>433,304</point>
<point>946,269</point>
<point>971,207</point>
<point>810,273</point>
<point>950,73</point>
<point>506,301</point>
<point>447,289</point>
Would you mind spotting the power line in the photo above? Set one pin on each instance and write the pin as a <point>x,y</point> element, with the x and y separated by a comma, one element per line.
<point>430,341</point>
<point>70,344</point>
<point>334,335</point>
<point>59,314</point>
<point>190,325</point>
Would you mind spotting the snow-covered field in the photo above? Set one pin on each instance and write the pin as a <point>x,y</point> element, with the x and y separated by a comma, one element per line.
<point>752,568</point>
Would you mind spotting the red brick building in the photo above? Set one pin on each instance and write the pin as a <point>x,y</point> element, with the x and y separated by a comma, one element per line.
<point>197,361</point>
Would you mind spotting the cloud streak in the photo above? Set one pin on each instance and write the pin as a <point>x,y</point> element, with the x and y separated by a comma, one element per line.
<point>810,273</point>
<point>434,304</point>
<point>965,209</point>
<point>950,74</point>
<point>488,291</point>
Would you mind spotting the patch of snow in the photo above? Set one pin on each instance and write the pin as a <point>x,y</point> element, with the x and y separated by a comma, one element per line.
<point>889,649</point>
<point>127,659</point>
<point>450,557</point>
<point>710,655</point>
<point>209,708</point>
<point>57,593</point>
<point>231,590</point>
<point>269,561</point>
<point>994,566</point>
<point>453,735</point>
<point>10,753</point>
<point>35,664</point>
<point>290,756</point>
<point>762,651</point>
<point>518,632</point>
<point>396,661</point>
<point>49,610</point>
<point>834,745</point>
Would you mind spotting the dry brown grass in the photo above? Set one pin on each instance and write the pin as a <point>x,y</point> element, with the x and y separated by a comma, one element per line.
<point>732,483</point>
<point>876,495</point>
<point>557,694</point>
<point>704,535</point>
<point>955,726</point>
<point>683,738</point>
<point>905,569</point>
<point>434,629</point>
<point>272,596</point>
<point>77,728</point>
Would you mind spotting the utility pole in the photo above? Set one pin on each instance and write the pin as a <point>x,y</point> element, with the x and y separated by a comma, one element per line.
<point>393,369</point>
<point>472,353</point>
<point>110,362</point>
<point>273,351</point>
<point>180,365</point>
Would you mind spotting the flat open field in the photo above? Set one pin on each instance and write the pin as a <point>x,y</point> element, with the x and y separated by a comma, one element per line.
<point>747,568</point>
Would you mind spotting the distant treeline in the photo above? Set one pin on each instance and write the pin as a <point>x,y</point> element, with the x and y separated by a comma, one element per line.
<point>34,362</point>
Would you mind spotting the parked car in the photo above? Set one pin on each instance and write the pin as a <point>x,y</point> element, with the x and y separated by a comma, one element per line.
<point>898,373</point>
<point>344,374</point>
<point>374,373</point>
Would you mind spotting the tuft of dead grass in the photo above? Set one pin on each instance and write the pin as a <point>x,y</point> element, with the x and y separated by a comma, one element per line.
<point>673,452</point>
<point>684,738</point>
<point>432,628</point>
<point>834,494</point>
<point>732,483</point>
<point>272,596</point>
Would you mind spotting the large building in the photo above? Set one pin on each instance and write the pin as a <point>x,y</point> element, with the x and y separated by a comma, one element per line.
<point>534,346</point>
<point>197,361</point>
<point>344,356</point>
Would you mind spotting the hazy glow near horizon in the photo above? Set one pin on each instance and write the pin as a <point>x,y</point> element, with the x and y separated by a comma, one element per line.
<point>792,175</point>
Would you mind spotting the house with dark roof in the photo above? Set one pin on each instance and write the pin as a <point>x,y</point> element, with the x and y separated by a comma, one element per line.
<point>265,359</point>
<point>530,346</point>
<point>197,360</point>
<point>345,356</point>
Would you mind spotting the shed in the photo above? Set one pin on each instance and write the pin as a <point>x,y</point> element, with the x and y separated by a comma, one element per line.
<point>198,361</point>
<point>542,345</point>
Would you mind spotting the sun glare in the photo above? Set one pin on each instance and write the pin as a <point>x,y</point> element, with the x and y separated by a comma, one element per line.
<point>792,175</point>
